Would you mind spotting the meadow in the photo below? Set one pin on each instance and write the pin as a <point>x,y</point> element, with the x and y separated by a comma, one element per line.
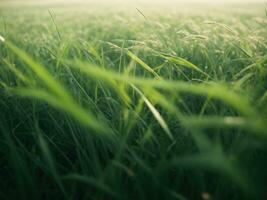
<point>125,102</point>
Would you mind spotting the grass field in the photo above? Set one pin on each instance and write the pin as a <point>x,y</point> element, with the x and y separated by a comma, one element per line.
<point>125,102</point>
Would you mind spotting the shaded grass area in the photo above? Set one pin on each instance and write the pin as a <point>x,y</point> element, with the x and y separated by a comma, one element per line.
<point>133,103</point>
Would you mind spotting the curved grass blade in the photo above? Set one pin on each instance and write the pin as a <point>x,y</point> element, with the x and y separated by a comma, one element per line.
<point>55,24</point>
<point>40,71</point>
<point>224,26</point>
<point>136,59</point>
<point>212,90</point>
<point>17,72</point>
<point>155,112</point>
<point>185,63</point>
<point>142,63</point>
<point>57,93</point>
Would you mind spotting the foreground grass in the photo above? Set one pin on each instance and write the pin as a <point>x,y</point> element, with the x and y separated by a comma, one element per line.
<point>133,104</point>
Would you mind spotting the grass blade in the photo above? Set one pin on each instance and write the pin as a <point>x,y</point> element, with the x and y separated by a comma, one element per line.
<point>155,112</point>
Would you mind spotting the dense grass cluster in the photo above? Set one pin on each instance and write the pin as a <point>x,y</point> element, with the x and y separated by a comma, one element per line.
<point>126,103</point>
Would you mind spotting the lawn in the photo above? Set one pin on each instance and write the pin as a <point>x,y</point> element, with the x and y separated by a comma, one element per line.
<point>115,101</point>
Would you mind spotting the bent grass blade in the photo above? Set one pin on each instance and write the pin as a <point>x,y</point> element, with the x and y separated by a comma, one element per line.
<point>155,112</point>
<point>212,90</point>
<point>185,63</point>
<point>56,95</point>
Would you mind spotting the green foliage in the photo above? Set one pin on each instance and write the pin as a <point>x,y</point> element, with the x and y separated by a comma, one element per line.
<point>129,103</point>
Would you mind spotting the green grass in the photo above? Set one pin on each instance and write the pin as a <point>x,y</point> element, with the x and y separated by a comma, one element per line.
<point>133,103</point>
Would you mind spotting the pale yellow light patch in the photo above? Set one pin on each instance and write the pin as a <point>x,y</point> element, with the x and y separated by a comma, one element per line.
<point>2,39</point>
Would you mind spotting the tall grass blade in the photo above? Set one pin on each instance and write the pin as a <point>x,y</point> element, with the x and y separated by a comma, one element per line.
<point>58,92</point>
<point>155,112</point>
<point>183,62</point>
<point>142,63</point>
<point>212,90</point>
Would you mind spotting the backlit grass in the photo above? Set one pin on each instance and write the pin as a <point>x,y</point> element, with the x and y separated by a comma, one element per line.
<point>114,102</point>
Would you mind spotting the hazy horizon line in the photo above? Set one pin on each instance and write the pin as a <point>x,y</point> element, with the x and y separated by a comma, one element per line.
<point>135,1</point>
